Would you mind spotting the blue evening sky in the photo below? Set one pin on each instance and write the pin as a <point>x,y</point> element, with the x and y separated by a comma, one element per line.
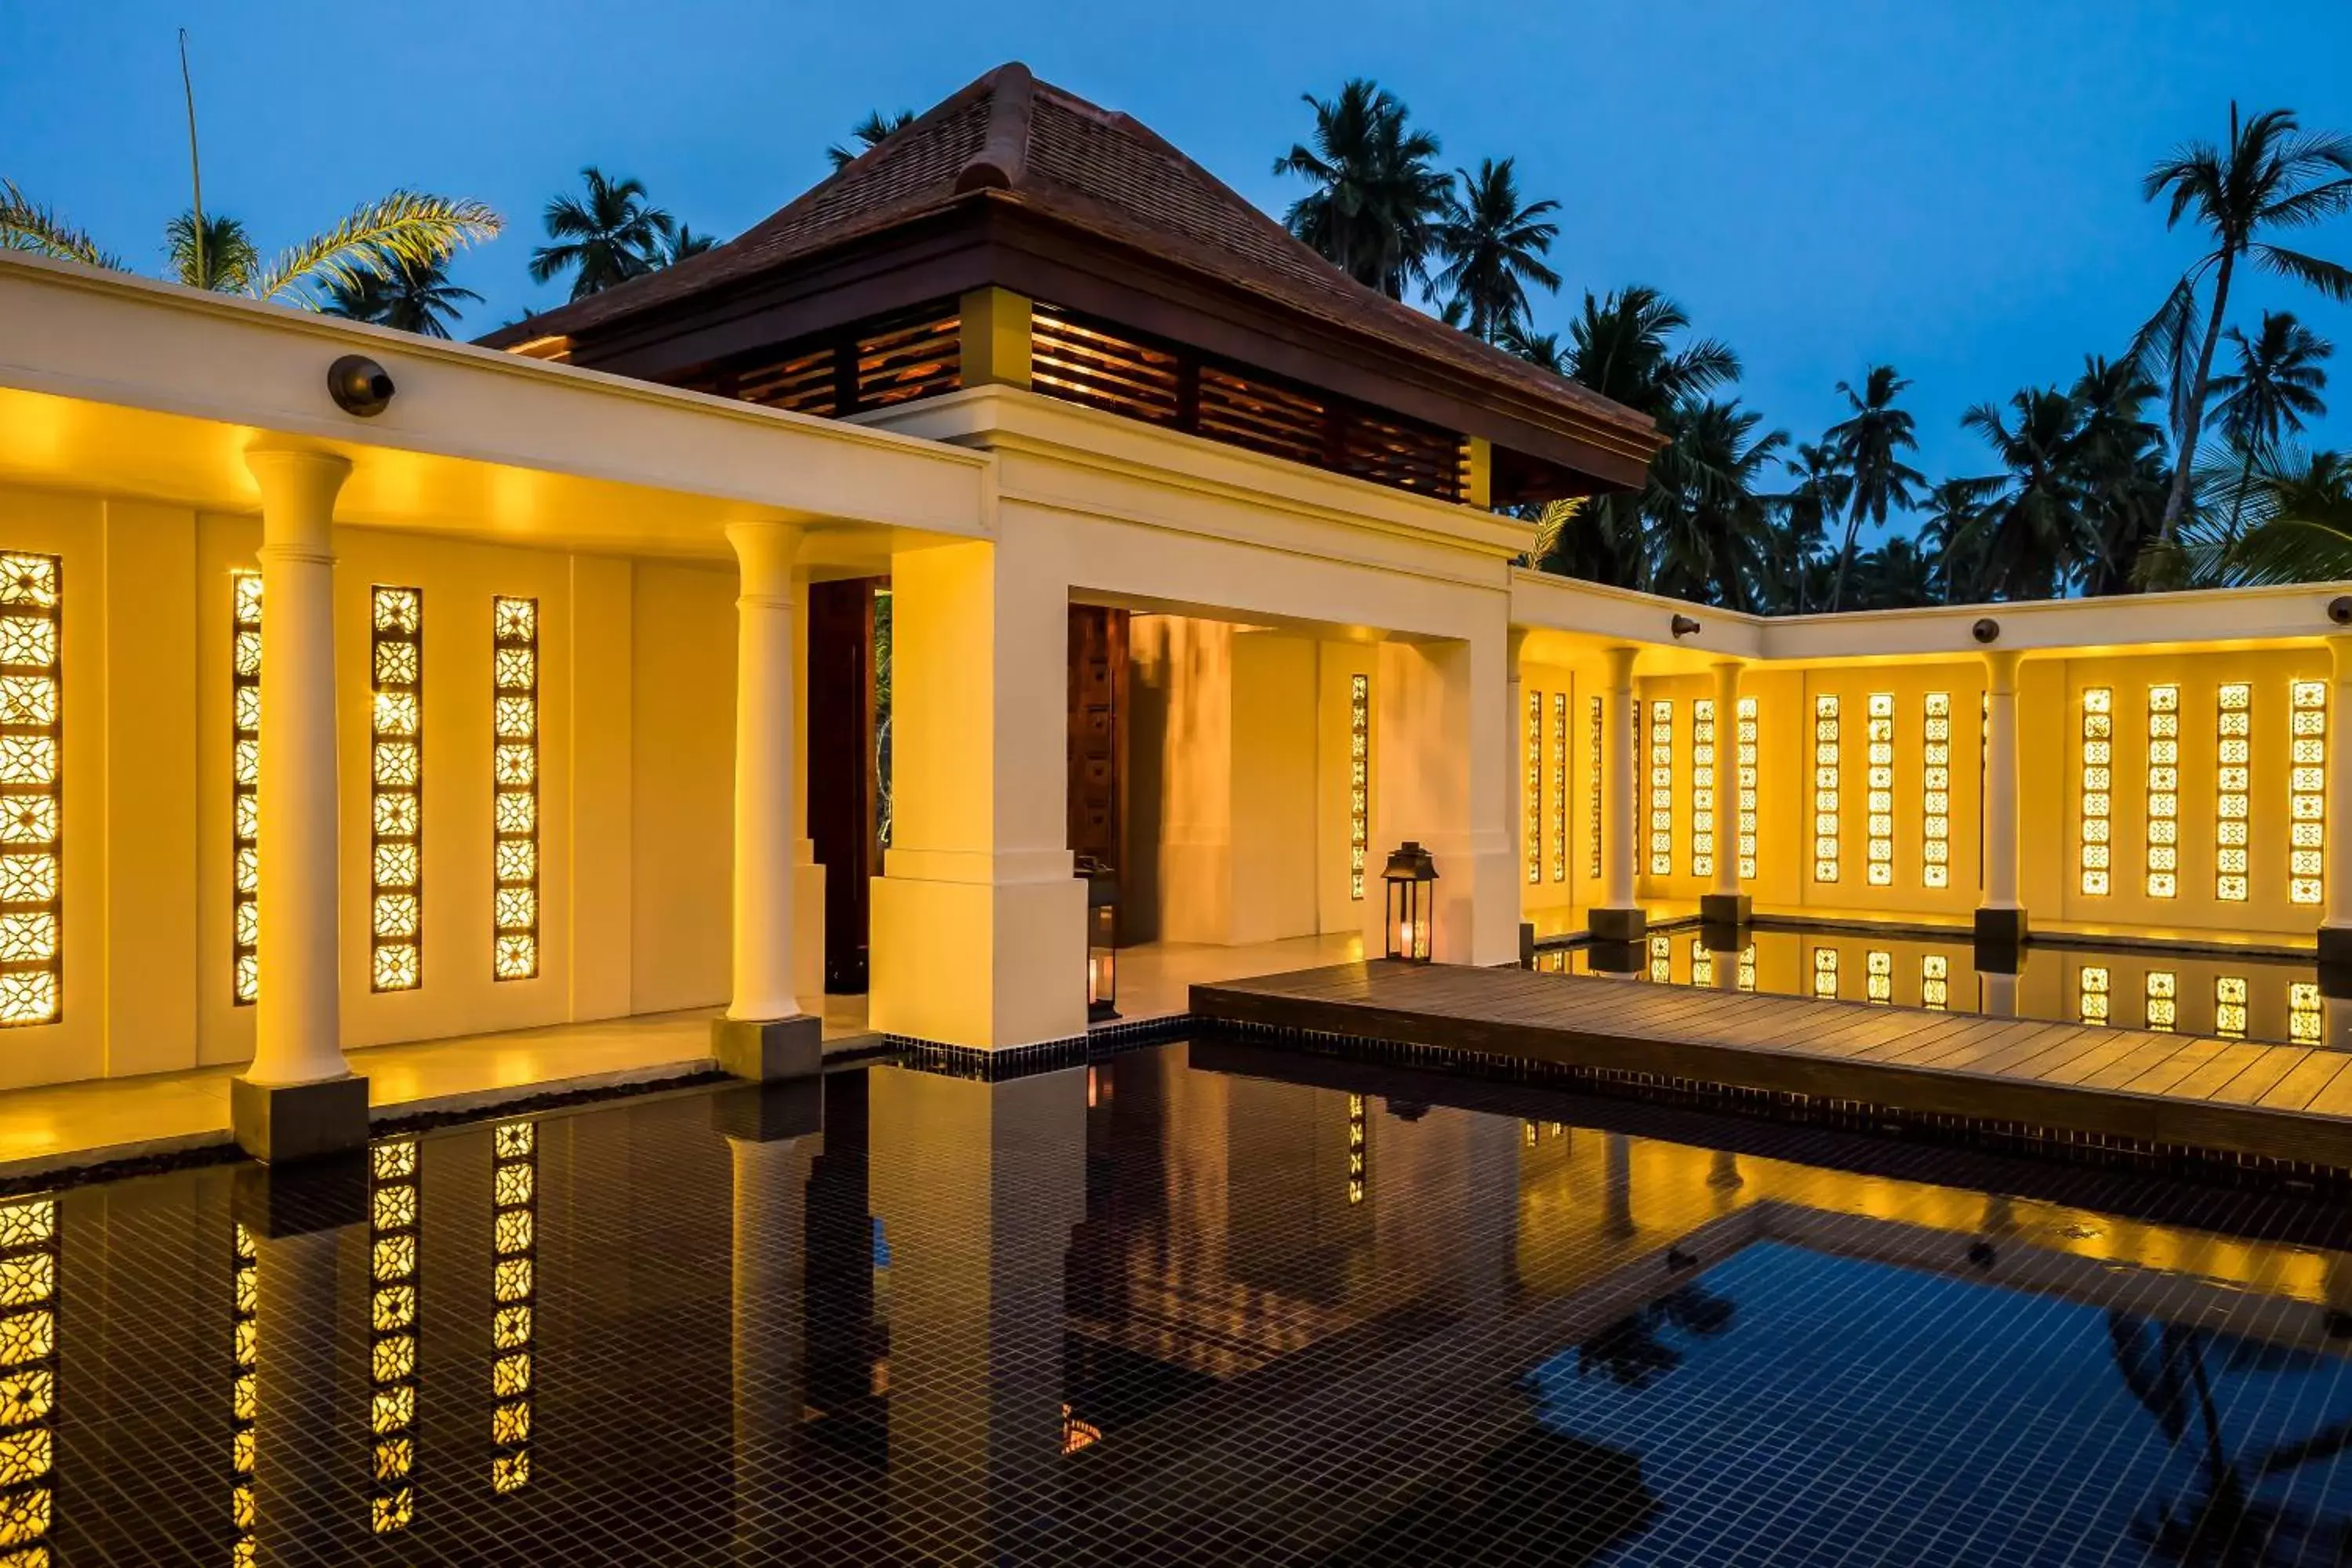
<point>1950,187</point>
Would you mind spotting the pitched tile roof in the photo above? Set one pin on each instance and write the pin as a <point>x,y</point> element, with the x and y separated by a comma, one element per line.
<point>1010,138</point>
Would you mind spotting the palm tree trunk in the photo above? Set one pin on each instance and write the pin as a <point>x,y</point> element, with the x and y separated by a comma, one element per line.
<point>1845,560</point>
<point>2238,501</point>
<point>2193,421</point>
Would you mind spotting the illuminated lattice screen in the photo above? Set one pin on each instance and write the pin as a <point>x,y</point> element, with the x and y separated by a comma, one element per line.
<point>1879,864</point>
<point>244,780</point>
<point>1360,779</point>
<point>1825,790</point>
<point>1746,759</point>
<point>1936,791</point>
<point>32,779</point>
<point>1935,982</point>
<point>396,761</point>
<point>1747,967</point>
<point>1560,786</point>
<point>514,785</point>
<point>2233,763</point>
<point>1878,977</point>
<point>1825,972</point>
<point>245,1401</point>
<point>2230,1006</point>
<point>1592,805</point>
<point>1661,789</point>
<point>1661,960</point>
<point>395,1212</point>
<point>1359,1163</point>
<point>2306,799</point>
<point>1533,826</point>
<point>2163,791</point>
<point>29,1256</point>
<point>1701,857</point>
<point>2306,1016</point>
<point>514,1292</point>
<point>2098,785</point>
<point>2163,1001</point>
<point>2091,994</point>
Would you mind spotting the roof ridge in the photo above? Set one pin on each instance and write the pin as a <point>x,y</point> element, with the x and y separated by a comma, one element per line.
<point>1003,155</point>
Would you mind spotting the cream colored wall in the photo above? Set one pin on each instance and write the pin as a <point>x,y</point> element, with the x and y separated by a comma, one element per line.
<point>1274,786</point>
<point>636,725</point>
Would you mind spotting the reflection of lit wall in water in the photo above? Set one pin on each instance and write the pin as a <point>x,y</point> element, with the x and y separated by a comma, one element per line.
<point>2306,791</point>
<point>1935,982</point>
<point>245,1306</point>
<point>29,1378</point>
<point>32,785</point>
<point>1879,800</point>
<point>395,1208</point>
<point>2163,1000</point>
<point>1560,786</point>
<point>1662,959</point>
<point>1878,976</point>
<point>397,765</point>
<point>2230,1006</point>
<point>1358,1152</point>
<point>514,1240</point>
<point>1825,972</point>
<point>2306,1018</point>
<point>2091,993</point>
<point>514,800</point>
<point>1702,963</point>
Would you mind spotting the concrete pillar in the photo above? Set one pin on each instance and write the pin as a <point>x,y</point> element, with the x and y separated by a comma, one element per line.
<point>1618,917</point>
<point>2000,919</point>
<point>1727,903</point>
<point>2335,928</point>
<point>979,928</point>
<point>764,1034</point>
<point>298,1097</point>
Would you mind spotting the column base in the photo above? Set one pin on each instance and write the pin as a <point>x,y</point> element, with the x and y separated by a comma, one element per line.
<point>770,1112</point>
<point>768,1050</point>
<point>1526,944</point>
<point>2000,928</point>
<point>2336,947</point>
<point>1726,909</point>
<point>280,1123</point>
<point>302,1199</point>
<point>1618,925</point>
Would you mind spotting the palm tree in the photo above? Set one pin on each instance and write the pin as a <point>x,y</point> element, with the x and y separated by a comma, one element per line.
<point>2273,176</point>
<point>1707,536</point>
<point>1951,516</point>
<point>2028,532</point>
<point>2299,512</point>
<point>1819,495</point>
<point>683,244</point>
<point>2115,461</point>
<point>418,299</point>
<point>1493,248</point>
<point>406,228</point>
<point>1869,442</point>
<point>2276,386</point>
<point>1541,350</point>
<point>1377,198</point>
<point>1897,575</point>
<point>610,237</point>
<point>869,132</point>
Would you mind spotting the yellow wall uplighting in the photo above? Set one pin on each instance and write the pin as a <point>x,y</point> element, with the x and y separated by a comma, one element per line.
<point>2163,791</point>
<point>2307,791</point>
<point>1747,764</point>
<point>1592,801</point>
<point>1558,786</point>
<point>1662,788</point>
<point>397,649</point>
<point>2098,785</point>
<point>1879,800</point>
<point>32,770</point>
<point>1532,826</point>
<point>1936,790</point>
<point>245,784</point>
<point>1825,788</point>
<point>1701,857</point>
<point>1360,763</point>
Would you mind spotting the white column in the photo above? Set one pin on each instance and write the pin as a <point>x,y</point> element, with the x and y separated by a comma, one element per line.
<point>298,1018</point>
<point>1620,823</point>
<point>1726,784</point>
<point>2000,851</point>
<point>2335,928</point>
<point>767,817</point>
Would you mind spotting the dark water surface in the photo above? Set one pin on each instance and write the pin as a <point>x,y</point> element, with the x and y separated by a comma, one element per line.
<point>1199,1303</point>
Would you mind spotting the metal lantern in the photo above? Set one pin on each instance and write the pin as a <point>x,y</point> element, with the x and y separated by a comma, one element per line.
<point>1102,939</point>
<point>1413,901</point>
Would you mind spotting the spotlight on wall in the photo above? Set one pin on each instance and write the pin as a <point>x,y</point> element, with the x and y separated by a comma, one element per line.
<point>2339,609</point>
<point>1985,630</point>
<point>1684,626</point>
<point>359,385</point>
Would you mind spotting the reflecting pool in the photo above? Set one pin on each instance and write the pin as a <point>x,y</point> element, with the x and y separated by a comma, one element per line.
<point>1201,1303</point>
<point>2195,990</point>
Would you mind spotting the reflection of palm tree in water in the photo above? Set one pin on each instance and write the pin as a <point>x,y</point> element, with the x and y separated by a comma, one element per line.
<point>1629,1349</point>
<point>2222,1523</point>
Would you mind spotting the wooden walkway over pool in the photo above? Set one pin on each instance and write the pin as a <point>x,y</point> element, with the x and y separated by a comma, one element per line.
<point>2234,1097</point>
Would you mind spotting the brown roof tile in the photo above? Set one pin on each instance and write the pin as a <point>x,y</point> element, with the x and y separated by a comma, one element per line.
<point>1007,137</point>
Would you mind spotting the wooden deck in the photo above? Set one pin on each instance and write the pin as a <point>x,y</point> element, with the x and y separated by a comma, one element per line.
<point>2235,1096</point>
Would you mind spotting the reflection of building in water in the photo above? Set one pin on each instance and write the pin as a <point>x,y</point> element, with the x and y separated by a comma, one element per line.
<point>395,1211</point>
<point>514,1202</point>
<point>245,1304</point>
<point>29,1378</point>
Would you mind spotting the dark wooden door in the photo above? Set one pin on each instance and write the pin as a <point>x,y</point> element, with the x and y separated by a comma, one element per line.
<point>842,776</point>
<point>1097,730</point>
